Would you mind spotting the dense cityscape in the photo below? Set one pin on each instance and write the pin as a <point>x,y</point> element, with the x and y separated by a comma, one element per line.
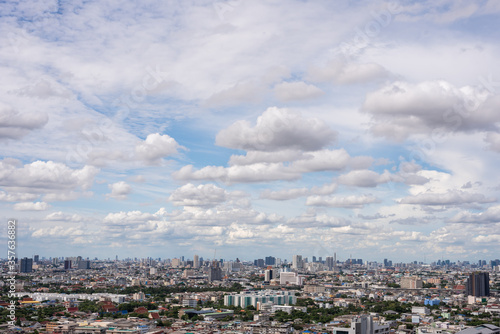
<point>270,295</point>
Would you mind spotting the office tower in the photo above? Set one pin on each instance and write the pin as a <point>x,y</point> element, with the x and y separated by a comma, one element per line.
<point>182,258</point>
<point>320,260</point>
<point>84,264</point>
<point>268,275</point>
<point>215,272</point>
<point>55,261</point>
<point>329,262</point>
<point>258,263</point>
<point>67,264</point>
<point>26,265</point>
<point>196,262</point>
<point>36,258</point>
<point>270,261</point>
<point>478,285</point>
<point>176,263</point>
<point>297,262</point>
<point>314,259</point>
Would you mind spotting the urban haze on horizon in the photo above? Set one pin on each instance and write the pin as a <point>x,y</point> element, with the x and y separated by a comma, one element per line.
<point>244,129</point>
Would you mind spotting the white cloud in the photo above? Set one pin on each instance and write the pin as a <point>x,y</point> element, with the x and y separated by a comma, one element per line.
<point>287,194</point>
<point>155,147</point>
<point>277,129</point>
<point>452,197</point>
<point>201,195</point>
<point>366,178</point>
<point>402,109</point>
<point>15,125</point>
<point>259,172</point>
<point>40,177</point>
<point>352,201</point>
<point>343,72</point>
<point>119,190</point>
<point>489,216</point>
<point>31,206</point>
<point>298,90</point>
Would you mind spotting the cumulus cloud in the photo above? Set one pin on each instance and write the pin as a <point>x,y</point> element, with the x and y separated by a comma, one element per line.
<point>253,157</point>
<point>287,194</point>
<point>60,216</point>
<point>155,147</point>
<point>298,90</point>
<point>277,129</point>
<point>260,172</point>
<point>452,197</point>
<point>14,125</point>
<point>31,206</point>
<point>131,217</point>
<point>352,201</point>
<point>489,216</point>
<point>119,190</point>
<point>402,109</point>
<point>201,195</point>
<point>44,177</point>
<point>365,178</point>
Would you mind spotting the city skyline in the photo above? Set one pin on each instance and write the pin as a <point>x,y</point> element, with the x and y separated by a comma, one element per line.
<point>249,128</point>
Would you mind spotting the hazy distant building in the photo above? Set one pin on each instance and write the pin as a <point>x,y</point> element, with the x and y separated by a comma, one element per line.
<point>26,265</point>
<point>297,262</point>
<point>36,258</point>
<point>259,263</point>
<point>270,260</point>
<point>67,264</point>
<point>329,262</point>
<point>214,272</point>
<point>84,264</point>
<point>268,275</point>
<point>196,262</point>
<point>176,263</point>
<point>478,285</point>
<point>411,283</point>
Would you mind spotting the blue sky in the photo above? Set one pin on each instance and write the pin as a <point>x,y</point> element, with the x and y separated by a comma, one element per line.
<point>164,129</point>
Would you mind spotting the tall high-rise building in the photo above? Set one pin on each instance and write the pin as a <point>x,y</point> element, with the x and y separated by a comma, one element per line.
<point>268,275</point>
<point>270,261</point>
<point>297,262</point>
<point>84,264</point>
<point>258,263</point>
<point>67,264</point>
<point>196,262</point>
<point>26,265</point>
<point>329,262</point>
<point>478,285</point>
<point>214,272</point>
<point>36,258</point>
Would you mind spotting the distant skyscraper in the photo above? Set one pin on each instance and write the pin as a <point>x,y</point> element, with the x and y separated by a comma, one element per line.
<point>268,275</point>
<point>26,265</point>
<point>478,285</point>
<point>67,264</point>
<point>297,262</point>
<point>259,263</point>
<point>84,264</point>
<point>36,258</point>
<point>214,272</point>
<point>270,261</point>
<point>329,262</point>
<point>196,261</point>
